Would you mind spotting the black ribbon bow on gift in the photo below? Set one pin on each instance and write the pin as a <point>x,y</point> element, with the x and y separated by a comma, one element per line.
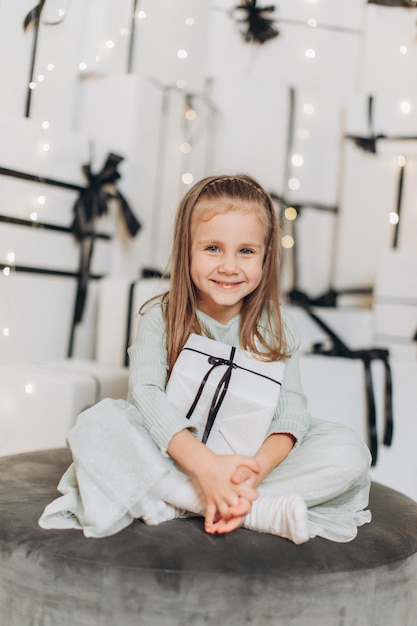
<point>93,200</point>
<point>260,28</point>
<point>219,393</point>
<point>91,204</point>
<point>221,389</point>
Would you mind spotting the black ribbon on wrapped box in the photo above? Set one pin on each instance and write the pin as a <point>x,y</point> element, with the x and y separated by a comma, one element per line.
<point>91,204</point>
<point>221,388</point>
<point>259,25</point>
<point>366,355</point>
<point>219,393</point>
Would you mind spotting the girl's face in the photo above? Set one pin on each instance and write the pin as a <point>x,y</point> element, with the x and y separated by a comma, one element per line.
<point>227,253</point>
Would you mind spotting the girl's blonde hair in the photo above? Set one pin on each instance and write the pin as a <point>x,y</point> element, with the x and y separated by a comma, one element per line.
<point>180,303</point>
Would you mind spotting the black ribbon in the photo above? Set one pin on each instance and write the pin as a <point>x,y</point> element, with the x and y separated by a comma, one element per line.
<point>219,393</point>
<point>221,389</point>
<point>368,143</point>
<point>399,203</point>
<point>366,355</point>
<point>259,27</point>
<point>94,198</point>
<point>395,3</point>
<point>91,204</point>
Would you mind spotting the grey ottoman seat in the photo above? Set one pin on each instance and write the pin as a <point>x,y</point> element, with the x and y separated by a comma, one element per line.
<point>177,575</point>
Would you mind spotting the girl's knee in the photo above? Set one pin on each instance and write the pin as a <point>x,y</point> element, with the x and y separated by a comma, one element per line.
<point>352,458</point>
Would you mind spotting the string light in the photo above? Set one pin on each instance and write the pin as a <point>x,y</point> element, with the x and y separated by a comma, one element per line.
<point>187,178</point>
<point>41,77</point>
<point>405,107</point>
<point>32,85</point>
<point>50,67</point>
<point>394,218</point>
<point>41,200</point>
<point>312,22</point>
<point>33,216</point>
<point>403,49</point>
<point>190,21</point>
<point>297,160</point>
<point>182,54</point>
<point>45,147</point>
<point>82,66</point>
<point>190,114</point>
<point>308,108</point>
<point>290,213</point>
<point>181,84</point>
<point>6,332</point>
<point>11,257</point>
<point>401,160</point>
<point>142,15</point>
<point>287,241</point>
<point>45,124</point>
<point>110,44</point>
<point>310,53</point>
<point>29,388</point>
<point>294,184</point>
<point>6,270</point>
<point>185,147</point>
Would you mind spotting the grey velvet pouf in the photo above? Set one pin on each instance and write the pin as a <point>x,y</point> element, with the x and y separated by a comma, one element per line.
<point>177,575</point>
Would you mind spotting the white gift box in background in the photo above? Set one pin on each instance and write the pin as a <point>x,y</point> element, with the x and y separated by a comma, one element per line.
<point>246,401</point>
<point>334,67</point>
<point>119,114</point>
<point>39,255</point>
<point>236,147</point>
<point>335,388</point>
<point>48,152</point>
<point>395,303</point>
<point>120,301</point>
<point>364,229</point>
<point>39,401</point>
<point>56,67</point>
<point>15,53</point>
<point>388,67</point>
<point>354,326</point>
<point>178,25</point>
<point>107,37</point>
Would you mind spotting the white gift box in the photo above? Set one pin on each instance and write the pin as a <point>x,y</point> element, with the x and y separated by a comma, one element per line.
<point>354,326</point>
<point>228,394</point>
<point>39,401</point>
<point>119,303</point>
<point>385,68</point>
<point>331,69</point>
<point>335,389</point>
<point>395,303</point>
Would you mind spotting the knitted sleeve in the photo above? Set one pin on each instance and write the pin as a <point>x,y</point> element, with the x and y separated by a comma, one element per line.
<point>148,378</point>
<point>292,415</point>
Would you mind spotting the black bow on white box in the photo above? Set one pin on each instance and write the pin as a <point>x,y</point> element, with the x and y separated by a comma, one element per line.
<point>259,26</point>
<point>92,203</point>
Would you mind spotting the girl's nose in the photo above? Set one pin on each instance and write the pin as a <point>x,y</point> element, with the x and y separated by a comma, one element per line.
<point>228,264</point>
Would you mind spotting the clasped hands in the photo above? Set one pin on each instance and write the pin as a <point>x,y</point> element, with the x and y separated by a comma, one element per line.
<point>229,486</point>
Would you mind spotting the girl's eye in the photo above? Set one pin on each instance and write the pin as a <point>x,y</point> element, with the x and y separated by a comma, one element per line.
<point>246,251</point>
<point>212,248</point>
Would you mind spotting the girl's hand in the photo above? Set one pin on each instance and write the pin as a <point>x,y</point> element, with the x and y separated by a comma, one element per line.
<point>222,525</point>
<point>225,499</point>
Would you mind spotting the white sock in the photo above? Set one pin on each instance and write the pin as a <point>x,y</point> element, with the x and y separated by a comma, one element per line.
<point>285,516</point>
<point>157,511</point>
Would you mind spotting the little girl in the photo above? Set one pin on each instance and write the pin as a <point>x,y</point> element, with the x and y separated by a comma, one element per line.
<point>140,459</point>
